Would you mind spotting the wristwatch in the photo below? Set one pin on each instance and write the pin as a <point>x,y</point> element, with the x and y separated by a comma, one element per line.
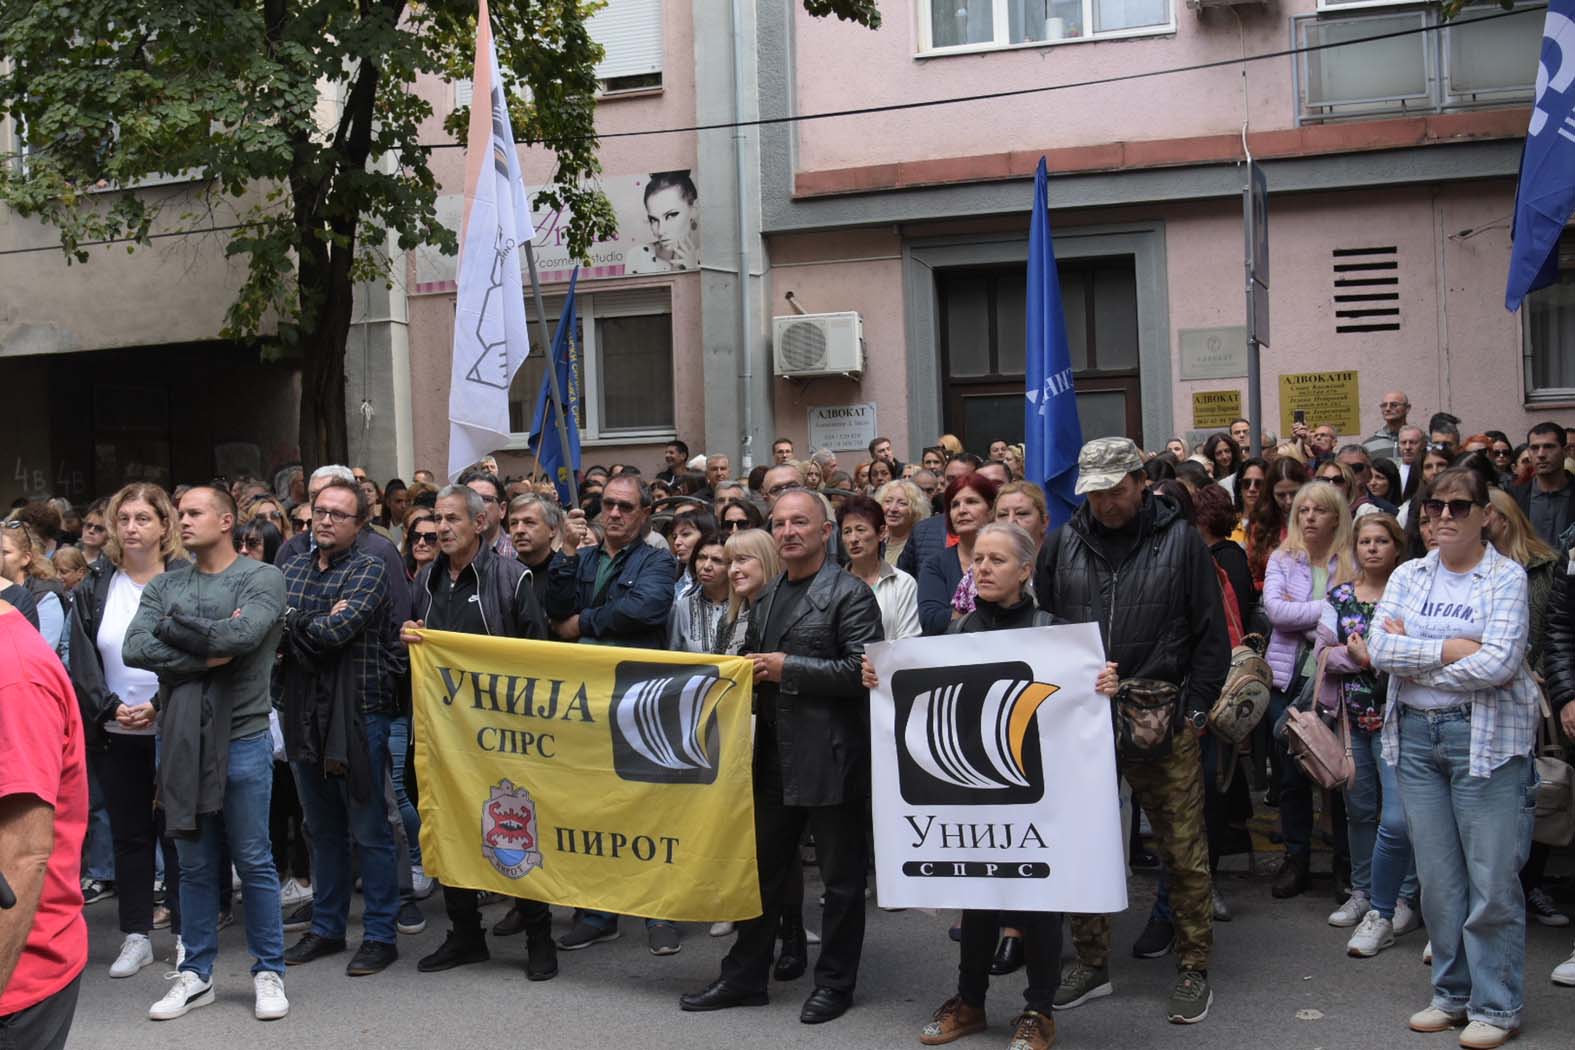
<point>1199,720</point>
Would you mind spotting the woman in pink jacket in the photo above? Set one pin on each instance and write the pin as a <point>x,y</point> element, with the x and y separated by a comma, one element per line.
<point>1315,556</point>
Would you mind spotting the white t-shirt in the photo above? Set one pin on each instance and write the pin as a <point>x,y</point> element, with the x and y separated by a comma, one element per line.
<point>1448,613</point>
<point>133,685</point>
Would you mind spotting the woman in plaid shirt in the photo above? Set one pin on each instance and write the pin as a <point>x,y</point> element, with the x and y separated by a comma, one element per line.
<point>1451,633</point>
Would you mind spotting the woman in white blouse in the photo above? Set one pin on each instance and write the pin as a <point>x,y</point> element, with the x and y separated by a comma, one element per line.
<point>863,525</point>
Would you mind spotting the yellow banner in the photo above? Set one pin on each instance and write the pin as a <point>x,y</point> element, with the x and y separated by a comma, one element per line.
<point>587,775</point>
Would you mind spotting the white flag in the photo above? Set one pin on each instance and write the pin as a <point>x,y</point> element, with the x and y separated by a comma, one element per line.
<point>490,337</point>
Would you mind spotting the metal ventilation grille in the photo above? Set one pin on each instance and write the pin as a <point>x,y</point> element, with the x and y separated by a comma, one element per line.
<point>1366,290</point>
<point>804,346</point>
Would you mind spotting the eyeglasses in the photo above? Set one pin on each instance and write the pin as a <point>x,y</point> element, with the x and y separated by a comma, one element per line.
<point>338,517</point>
<point>1358,468</point>
<point>418,538</point>
<point>251,543</point>
<point>1458,508</point>
<point>1500,453</point>
<point>270,515</point>
<point>301,521</point>
<point>88,526</point>
<point>622,506</point>
<point>777,490</point>
<point>1438,446</point>
<point>1330,479</point>
<point>487,499</point>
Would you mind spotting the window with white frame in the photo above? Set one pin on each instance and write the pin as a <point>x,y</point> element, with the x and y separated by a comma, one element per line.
<point>1548,328</point>
<point>623,366</point>
<point>630,32</point>
<point>974,25</point>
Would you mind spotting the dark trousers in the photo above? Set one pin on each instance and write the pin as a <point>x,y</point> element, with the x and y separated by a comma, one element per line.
<point>842,853</point>
<point>287,827</point>
<point>44,1025</point>
<point>1296,803</point>
<point>126,770</point>
<point>1041,955</point>
<point>464,912</point>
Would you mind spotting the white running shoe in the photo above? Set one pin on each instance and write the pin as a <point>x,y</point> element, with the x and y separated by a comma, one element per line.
<point>1374,935</point>
<point>1352,911</point>
<point>188,993</point>
<point>722,929</point>
<point>293,892</point>
<point>1407,918</point>
<point>271,1003</point>
<point>135,953</point>
<point>421,884</point>
<point>1564,972</point>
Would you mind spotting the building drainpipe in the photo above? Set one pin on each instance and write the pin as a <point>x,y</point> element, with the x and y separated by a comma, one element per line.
<point>746,370</point>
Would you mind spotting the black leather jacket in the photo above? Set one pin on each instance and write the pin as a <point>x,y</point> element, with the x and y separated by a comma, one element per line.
<point>1160,612</point>
<point>822,709</point>
<point>1558,647</point>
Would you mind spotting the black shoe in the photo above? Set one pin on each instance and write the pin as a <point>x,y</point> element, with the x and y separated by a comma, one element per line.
<point>457,949</point>
<point>541,954</point>
<point>1145,860</point>
<point>372,957</point>
<point>825,1004</point>
<point>794,958</point>
<point>299,919</point>
<point>1008,956</point>
<point>1156,940</point>
<point>719,995</point>
<point>511,924</point>
<point>312,947</point>
<point>1291,879</point>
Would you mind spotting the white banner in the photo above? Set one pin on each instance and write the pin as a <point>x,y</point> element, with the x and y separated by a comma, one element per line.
<point>994,773</point>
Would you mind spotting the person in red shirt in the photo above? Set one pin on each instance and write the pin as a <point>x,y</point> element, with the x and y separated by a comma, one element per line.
<point>43,819</point>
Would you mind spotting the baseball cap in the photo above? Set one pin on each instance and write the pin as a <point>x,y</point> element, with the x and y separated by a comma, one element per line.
<point>1104,462</point>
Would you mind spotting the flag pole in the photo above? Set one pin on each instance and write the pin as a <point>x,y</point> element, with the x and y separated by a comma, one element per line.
<point>552,375</point>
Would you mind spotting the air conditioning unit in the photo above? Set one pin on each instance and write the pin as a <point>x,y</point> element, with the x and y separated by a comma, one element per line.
<point>805,346</point>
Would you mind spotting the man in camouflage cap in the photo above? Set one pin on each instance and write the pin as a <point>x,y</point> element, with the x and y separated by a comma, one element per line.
<point>1129,561</point>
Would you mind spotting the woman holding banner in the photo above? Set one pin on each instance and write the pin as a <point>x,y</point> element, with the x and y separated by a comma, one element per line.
<point>1002,565</point>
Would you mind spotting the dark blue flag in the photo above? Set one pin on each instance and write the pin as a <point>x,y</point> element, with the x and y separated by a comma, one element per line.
<point>1052,434</point>
<point>1546,193</point>
<point>557,462</point>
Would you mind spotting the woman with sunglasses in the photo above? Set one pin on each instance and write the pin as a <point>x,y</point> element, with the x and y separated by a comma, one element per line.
<point>1250,485</point>
<point>301,519</point>
<point>269,509</point>
<point>421,539</point>
<point>259,540</point>
<point>1451,633</point>
<point>739,515</point>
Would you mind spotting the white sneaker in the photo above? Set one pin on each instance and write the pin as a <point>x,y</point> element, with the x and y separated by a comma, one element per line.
<point>1351,912</point>
<point>421,884</point>
<point>1564,972</point>
<point>135,953</point>
<point>188,993</point>
<point>1374,935</point>
<point>722,929</point>
<point>1407,918</point>
<point>1427,954</point>
<point>1479,1035</point>
<point>293,892</point>
<point>271,1003</point>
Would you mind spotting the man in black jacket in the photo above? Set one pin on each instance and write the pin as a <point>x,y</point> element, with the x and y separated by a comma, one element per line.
<point>811,758</point>
<point>1130,562</point>
<point>470,589</point>
<point>1548,498</point>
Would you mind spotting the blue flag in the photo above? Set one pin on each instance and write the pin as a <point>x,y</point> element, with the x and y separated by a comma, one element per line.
<point>1546,193</point>
<point>557,462</point>
<point>1052,435</point>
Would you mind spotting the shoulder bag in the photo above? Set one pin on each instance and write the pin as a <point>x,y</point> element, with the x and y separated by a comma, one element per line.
<point>1323,758</point>
<point>1555,791</point>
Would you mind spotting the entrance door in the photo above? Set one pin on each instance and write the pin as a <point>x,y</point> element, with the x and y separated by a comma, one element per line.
<point>983,334</point>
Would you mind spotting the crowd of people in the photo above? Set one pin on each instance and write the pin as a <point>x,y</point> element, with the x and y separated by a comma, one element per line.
<point>236,655</point>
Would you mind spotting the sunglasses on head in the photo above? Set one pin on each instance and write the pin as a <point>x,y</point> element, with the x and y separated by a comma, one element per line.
<point>1458,508</point>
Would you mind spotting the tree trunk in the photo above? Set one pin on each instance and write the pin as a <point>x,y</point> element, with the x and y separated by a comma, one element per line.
<point>325,328</point>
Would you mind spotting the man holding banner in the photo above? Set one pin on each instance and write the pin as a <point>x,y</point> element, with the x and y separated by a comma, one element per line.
<point>1131,563</point>
<point>470,590</point>
<point>811,759</point>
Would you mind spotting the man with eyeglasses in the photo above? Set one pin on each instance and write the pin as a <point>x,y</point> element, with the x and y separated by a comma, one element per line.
<point>619,592</point>
<point>490,489</point>
<point>1549,497</point>
<point>1385,441</point>
<point>340,707</point>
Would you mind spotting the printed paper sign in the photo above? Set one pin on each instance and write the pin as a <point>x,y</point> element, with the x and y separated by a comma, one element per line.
<point>1326,397</point>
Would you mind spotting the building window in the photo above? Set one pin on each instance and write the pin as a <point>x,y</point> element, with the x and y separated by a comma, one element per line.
<point>1548,325</point>
<point>976,25</point>
<point>983,336</point>
<point>1461,66</point>
<point>624,366</point>
<point>630,32</point>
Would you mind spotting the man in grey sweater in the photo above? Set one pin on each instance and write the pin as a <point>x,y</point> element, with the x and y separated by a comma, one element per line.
<point>209,630</point>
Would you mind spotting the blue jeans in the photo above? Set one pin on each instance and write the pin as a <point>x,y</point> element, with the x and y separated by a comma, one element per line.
<point>245,824</point>
<point>98,849</point>
<point>1471,836</point>
<point>333,818</point>
<point>1381,861</point>
<point>398,750</point>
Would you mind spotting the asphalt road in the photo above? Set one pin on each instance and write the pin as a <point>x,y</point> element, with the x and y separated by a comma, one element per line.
<point>1280,975</point>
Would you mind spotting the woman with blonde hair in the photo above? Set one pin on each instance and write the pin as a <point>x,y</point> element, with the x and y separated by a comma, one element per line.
<point>144,540</point>
<point>752,565</point>
<point>24,563</point>
<point>1315,555</point>
<point>270,510</point>
<point>1023,504</point>
<point>1016,456</point>
<point>904,505</point>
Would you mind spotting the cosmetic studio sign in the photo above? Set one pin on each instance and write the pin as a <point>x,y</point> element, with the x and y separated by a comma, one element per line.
<point>658,232</point>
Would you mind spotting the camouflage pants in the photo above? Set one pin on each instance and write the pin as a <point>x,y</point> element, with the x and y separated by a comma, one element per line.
<point>1170,790</point>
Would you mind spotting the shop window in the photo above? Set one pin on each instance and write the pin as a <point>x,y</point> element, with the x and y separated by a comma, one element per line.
<point>983,338</point>
<point>623,366</point>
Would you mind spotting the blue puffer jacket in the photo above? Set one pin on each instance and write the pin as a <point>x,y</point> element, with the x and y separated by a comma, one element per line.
<point>632,609</point>
<point>927,541</point>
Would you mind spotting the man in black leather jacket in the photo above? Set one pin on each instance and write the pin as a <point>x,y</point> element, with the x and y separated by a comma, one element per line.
<point>811,758</point>
<point>1129,561</point>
